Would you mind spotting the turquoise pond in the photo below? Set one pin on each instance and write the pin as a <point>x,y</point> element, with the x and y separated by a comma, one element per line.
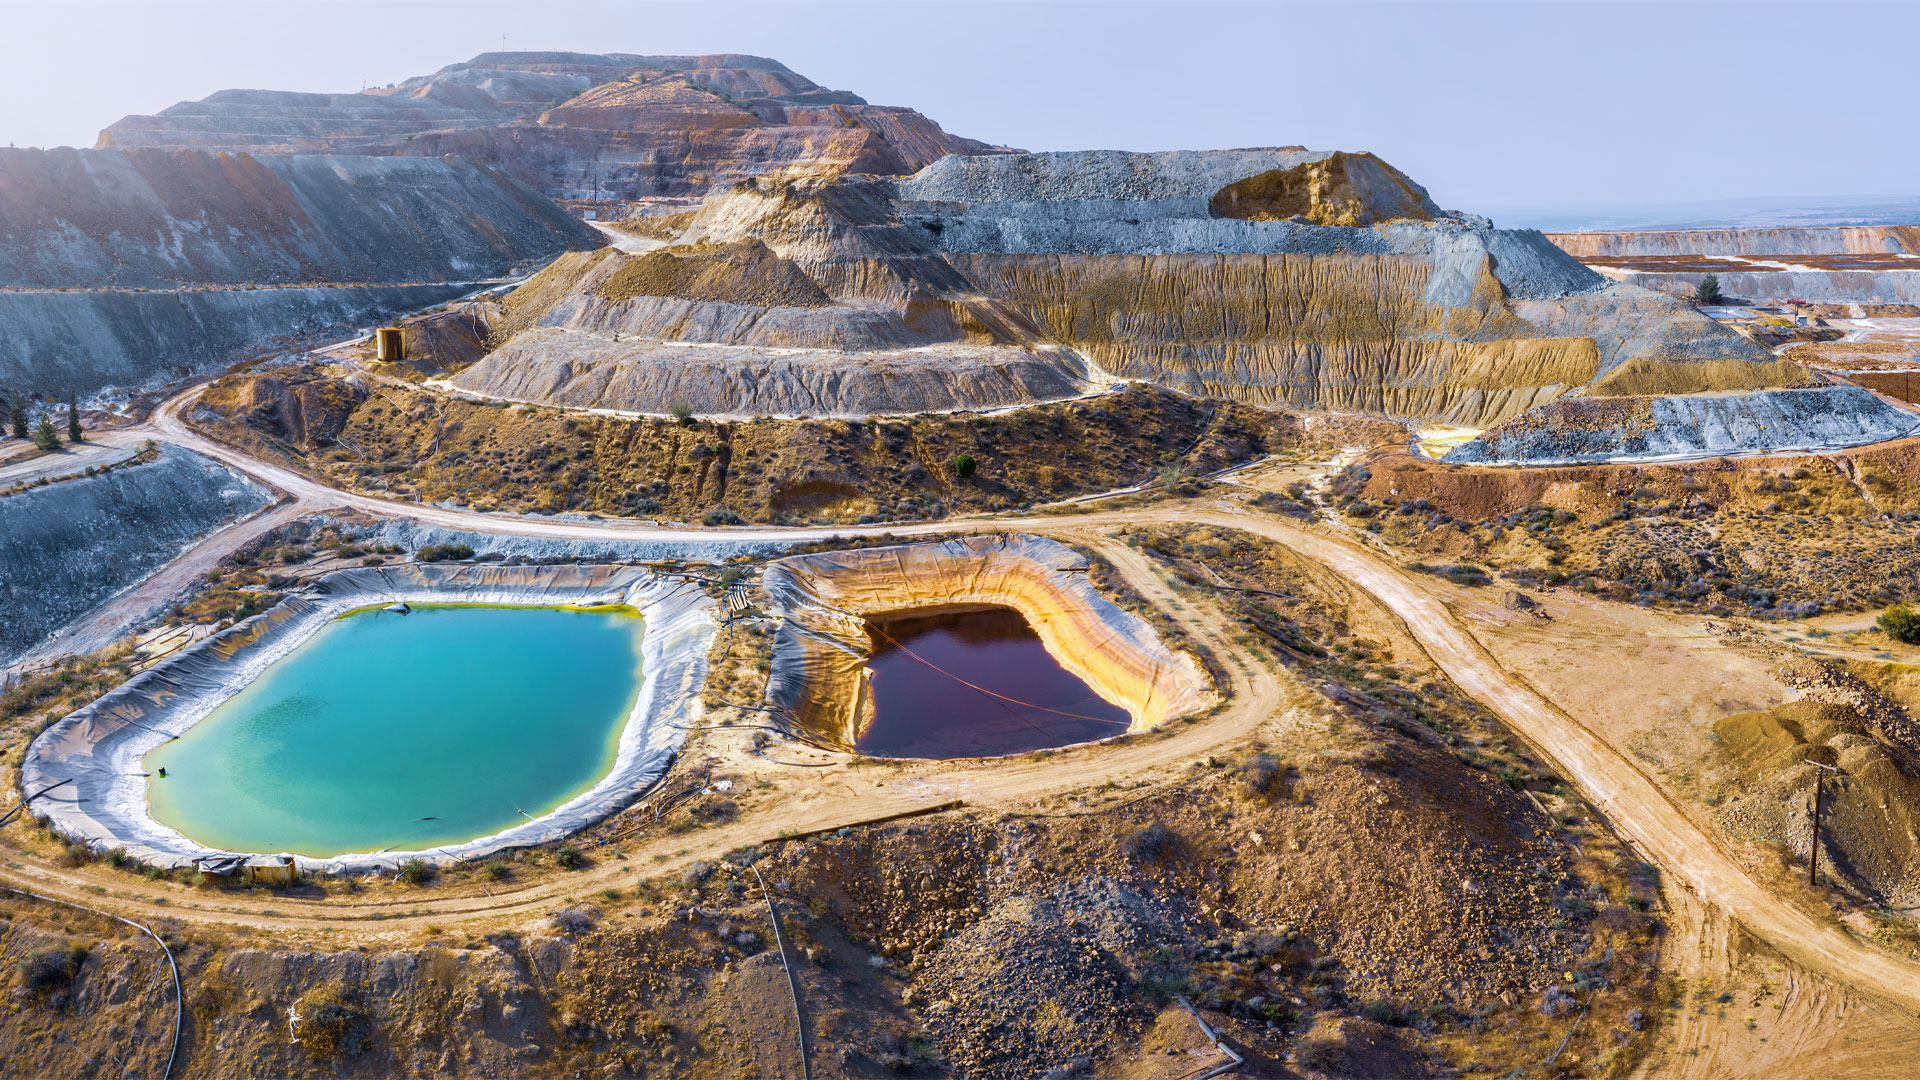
<point>406,732</point>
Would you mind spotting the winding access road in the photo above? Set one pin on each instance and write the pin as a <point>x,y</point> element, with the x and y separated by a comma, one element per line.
<point>1632,801</point>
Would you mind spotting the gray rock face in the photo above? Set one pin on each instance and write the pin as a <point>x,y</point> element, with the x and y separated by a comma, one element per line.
<point>1097,176</point>
<point>116,266</point>
<point>1817,286</point>
<point>412,535</point>
<point>1628,323</point>
<point>68,546</point>
<point>1106,202</point>
<point>995,281</point>
<point>1600,429</point>
<point>1810,240</point>
<point>150,219</point>
<point>58,341</point>
<point>547,365</point>
<point>575,125</point>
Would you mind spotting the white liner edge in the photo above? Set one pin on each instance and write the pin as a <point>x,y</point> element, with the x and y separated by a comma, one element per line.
<point>98,750</point>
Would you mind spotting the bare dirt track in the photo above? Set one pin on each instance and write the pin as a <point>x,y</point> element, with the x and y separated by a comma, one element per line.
<point>1844,1004</point>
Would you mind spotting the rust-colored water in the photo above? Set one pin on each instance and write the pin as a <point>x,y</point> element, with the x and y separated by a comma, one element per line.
<point>923,707</point>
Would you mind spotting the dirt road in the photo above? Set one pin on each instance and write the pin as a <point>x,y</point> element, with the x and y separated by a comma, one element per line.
<point>100,450</point>
<point>1634,803</point>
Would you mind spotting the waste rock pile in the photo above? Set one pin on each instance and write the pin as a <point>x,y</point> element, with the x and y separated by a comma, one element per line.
<point>1295,278</point>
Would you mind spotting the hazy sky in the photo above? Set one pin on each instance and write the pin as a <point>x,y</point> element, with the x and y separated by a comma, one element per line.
<point>1496,108</point>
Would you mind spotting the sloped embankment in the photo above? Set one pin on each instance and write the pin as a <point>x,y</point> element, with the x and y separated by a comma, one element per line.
<point>119,265</point>
<point>68,546</point>
<point>576,125</point>
<point>153,219</point>
<point>60,341</point>
<point>818,683</point>
<point>1815,240</point>
<point>1600,429</point>
<point>1836,264</point>
<point>735,330</point>
<point>1311,279</point>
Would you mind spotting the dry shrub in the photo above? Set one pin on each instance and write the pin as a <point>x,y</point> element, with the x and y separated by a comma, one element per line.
<point>47,970</point>
<point>575,920</point>
<point>1153,842</point>
<point>321,1020</point>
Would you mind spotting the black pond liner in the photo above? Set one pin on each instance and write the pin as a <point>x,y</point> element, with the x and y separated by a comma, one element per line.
<point>975,683</point>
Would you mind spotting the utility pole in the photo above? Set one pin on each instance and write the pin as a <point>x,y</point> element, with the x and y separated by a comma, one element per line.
<point>1819,803</point>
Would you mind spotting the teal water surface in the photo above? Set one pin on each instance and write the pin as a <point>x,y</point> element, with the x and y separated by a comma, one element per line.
<point>406,732</point>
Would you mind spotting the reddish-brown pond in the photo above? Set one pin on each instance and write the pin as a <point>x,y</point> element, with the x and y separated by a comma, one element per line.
<point>975,684</point>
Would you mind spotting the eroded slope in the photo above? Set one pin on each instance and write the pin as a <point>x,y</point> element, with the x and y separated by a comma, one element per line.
<point>575,125</point>
<point>983,282</point>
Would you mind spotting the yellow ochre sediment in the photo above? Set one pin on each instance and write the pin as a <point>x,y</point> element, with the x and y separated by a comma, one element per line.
<point>820,654</point>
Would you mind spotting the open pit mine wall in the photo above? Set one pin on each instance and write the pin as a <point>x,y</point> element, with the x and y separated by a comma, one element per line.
<point>155,219</point>
<point>567,123</point>
<point>1627,428</point>
<point>100,748</point>
<point>1343,332</point>
<point>1815,286</point>
<point>1837,240</point>
<point>1362,332</point>
<point>55,342</point>
<point>85,233</point>
<point>818,684</point>
<point>67,547</point>
<point>1444,320</point>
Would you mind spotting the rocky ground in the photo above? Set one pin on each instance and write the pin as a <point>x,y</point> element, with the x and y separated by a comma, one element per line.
<point>1764,536</point>
<point>1394,890</point>
<point>394,441</point>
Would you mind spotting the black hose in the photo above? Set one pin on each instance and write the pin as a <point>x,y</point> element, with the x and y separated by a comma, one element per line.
<point>793,985</point>
<point>179,999</point>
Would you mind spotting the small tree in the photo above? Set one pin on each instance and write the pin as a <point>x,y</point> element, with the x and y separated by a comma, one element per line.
<point>44,436</point>
<point>963,465</point>
<point>1901,623</point>
<point>1708,291</point>
<point>73,420</point>
<point>681,411</point>
<point>17,415</point>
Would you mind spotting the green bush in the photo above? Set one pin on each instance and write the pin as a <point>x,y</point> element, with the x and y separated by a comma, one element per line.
<point>497,870</point>
<point>569,858</point>
<point>963,465</point>
<point>721,515</point>
<point>1708,291</point>
<point>1901,623</point>
<point>44,436</point>
<point>414,872</point>
<point>443,552</point>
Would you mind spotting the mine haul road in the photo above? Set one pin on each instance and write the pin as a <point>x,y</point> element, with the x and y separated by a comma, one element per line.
<point>1689,858</point>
